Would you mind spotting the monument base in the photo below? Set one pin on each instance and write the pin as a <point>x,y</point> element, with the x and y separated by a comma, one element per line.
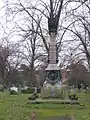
<point>53,91</point>
<point>53,87</point>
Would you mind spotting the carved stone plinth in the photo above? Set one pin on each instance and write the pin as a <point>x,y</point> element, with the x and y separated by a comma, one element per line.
<point>52,85</point>
<point>53,74</point>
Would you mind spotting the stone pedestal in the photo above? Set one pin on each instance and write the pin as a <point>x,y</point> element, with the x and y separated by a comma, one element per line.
<point>52,87</point>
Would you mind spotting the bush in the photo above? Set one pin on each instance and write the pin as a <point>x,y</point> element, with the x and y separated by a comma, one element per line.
<point>28,90</point>
<point>33,97</point>
<point>13,92</point>
<point>73,98</point>
<point>1,88</point>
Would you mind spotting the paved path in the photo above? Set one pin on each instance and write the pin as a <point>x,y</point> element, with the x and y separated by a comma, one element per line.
<point>61,118</point>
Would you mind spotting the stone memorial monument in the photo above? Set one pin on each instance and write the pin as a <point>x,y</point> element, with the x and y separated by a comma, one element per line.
<point>52,85</point>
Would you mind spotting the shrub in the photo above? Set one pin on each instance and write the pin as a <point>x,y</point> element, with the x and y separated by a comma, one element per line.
<point>1,88</point>
<point>33,97</point>
<point>73,98</point>
<point>28,90</point>
<point>13,92</point>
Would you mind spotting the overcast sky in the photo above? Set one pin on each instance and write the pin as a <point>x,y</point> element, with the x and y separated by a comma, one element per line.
<point>1,3</point>
<point>1,6</point>
<point>3,29</point>
<point>2,12</point>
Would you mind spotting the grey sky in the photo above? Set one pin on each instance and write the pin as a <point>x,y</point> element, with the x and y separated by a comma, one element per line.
<point>18,19</point>
<point>1,3</point>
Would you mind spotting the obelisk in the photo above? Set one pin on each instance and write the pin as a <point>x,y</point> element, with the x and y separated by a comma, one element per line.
<point>52,84</point>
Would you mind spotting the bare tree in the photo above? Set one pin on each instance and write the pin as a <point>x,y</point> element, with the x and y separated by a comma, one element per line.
<point>50,11</point>
<point>30,49</point>
<point>55,13</point>
<point>78,74</point>
<point>9,62</point>
<point>80,28</point>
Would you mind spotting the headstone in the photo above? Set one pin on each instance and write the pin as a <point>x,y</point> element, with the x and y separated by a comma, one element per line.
<point>14,88</point>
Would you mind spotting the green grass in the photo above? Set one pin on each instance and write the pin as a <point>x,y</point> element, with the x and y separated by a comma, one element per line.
<point>15,107</point>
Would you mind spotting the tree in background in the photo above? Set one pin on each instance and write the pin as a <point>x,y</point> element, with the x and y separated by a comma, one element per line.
<point>4,54</point>
<point>78,73</point>
<point>9,61</point>
<point>31,27</point>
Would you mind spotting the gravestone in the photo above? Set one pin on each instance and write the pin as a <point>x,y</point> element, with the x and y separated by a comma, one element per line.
<point>52,86</point>
<point>13,88</point>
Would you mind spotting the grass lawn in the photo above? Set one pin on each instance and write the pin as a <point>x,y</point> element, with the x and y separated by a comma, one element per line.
<point>15,107</point>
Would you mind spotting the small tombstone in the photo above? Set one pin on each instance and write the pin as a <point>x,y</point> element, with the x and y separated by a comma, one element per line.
<point>14,88</point>
<point>35,91</point>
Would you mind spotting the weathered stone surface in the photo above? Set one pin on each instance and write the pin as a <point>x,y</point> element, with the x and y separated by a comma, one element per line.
<point>52,49</point>
<point>53,67</point>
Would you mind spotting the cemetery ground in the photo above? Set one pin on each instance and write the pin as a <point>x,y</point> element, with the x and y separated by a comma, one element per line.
<point>16,107</point>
